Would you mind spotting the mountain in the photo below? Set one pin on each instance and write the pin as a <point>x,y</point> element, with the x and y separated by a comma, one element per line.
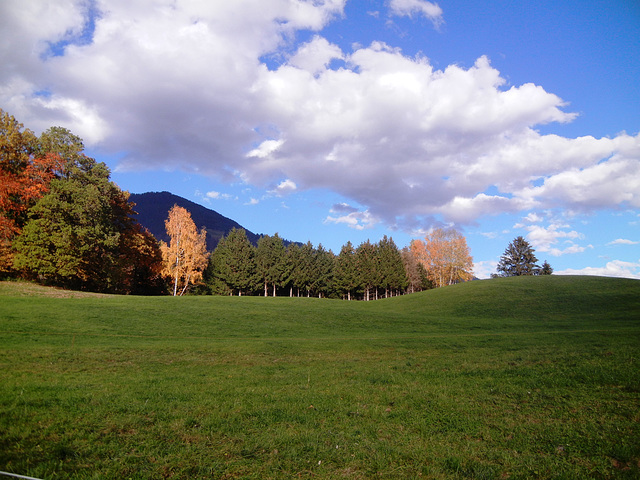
<point>153,209</point>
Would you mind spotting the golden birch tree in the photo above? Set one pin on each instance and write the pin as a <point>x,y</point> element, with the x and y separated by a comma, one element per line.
<point>185,257</point>
<point>445,256</point>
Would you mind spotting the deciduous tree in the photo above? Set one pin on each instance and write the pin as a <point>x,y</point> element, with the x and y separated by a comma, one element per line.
<point>25,174</point>
<point>445,256</point>
<point>185,257</point>
<point>81,235</point>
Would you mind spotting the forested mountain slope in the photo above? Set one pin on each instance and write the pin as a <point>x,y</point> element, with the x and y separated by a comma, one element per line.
<point>153,209</point>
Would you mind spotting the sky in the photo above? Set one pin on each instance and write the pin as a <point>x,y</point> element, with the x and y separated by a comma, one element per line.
<point>345,120</point>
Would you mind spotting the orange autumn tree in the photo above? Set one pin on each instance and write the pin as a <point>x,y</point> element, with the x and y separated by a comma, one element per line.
<point>185,257</point>
<point>25,174</point>
<point>445,256</point>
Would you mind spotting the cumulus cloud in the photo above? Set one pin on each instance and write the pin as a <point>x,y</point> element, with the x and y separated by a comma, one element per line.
<point>623,241</point>
<point>547,239</point>
<point>484,269</point>
<point>284,188</point>
<point>185,85</point>
<point>352,217</point>
<point>615,268</point>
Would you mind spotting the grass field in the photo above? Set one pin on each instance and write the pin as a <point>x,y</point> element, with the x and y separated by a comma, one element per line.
<point>507,378</point>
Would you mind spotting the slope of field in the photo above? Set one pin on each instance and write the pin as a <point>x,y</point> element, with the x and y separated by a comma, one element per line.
<point>507,378</point>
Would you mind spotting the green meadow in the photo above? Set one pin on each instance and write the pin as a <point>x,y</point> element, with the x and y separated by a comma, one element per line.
<point>526,377</point>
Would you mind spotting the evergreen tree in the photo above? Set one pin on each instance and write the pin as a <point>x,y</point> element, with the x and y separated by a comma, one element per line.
<point>518,259</point>
<point>293,268</point>
<point>270,262</point>
<point>234,262</point>
<point>322,271</point>
<point>306,268</point>
<point>546,269</point>
<point>345,277</point>
<point>215,275</point>
<point>392,274</point>
<point>367,268</point>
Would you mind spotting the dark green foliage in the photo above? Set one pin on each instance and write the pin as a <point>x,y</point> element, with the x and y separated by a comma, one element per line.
<point>81,235</point>
<point>518,259</point>
<point>232,267</point>
<point>322,271</point>
<point>66,145</point>
<point>546,269</point>
<point>271,263</point>
<point>393,277</point>
<point>367,268</point>
<point>345,278</point>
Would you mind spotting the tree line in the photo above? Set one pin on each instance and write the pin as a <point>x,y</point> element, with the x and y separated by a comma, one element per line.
<point>63,222</point>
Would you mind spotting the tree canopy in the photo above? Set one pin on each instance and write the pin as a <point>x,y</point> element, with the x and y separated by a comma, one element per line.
<point>518,259</point>
<point>185,257</point>
<point>445,256</point>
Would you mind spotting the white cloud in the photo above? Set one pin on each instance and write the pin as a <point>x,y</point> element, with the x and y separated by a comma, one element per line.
<point>218,196</point>
<point>484,269</point>
<point>546,239</point>
<point>623,241</point>
<point>284,188</point>
<point>533,218</point>
<point>359,220</point>
<point>316,55</point>
<point>266,148</point>
<point>185,85</point>
<point>408,7</point>
<point>615,268</point>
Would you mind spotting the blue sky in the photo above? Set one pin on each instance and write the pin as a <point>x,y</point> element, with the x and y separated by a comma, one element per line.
<point>342,120</point>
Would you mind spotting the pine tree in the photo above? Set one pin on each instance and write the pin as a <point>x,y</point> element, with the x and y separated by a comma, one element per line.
<point>546,269</point>
<point>518,259</point>
<point>322,271</point>
<point>233,263</point>
<point>367,268</point>
<point>270,262</point>
<point>345,271</point>
<point>392,273</point>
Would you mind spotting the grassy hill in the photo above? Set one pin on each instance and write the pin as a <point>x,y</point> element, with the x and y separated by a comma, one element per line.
<point>505,378</point>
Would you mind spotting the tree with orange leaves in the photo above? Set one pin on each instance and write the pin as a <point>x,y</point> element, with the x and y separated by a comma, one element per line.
<point>25,174</point>
<point>185,257</point>
<point>445,256</point>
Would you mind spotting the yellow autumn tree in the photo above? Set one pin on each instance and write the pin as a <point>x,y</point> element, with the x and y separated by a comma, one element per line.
<point>185,257</point>
<point>445,256</point>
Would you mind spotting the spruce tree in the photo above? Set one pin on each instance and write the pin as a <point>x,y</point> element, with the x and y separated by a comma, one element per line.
<point>518,259</point>
<point>546,269</point>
